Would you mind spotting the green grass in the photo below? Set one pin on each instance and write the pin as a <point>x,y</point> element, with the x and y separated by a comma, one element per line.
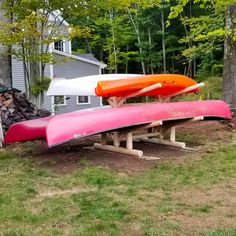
<point>104,203</point>
<point>207,171</point>
<point>220,232</point>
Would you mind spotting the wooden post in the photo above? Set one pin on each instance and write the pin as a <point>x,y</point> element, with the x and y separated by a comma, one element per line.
<point>129,141</point>
<point>116,139</point>
<point>172,134</point>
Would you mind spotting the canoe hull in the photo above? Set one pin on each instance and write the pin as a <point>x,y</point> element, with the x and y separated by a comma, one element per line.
<point>27,130</point>
<point>75,126</point>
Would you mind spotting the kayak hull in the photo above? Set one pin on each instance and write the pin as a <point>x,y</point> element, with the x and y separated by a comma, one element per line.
<point>171,83</point>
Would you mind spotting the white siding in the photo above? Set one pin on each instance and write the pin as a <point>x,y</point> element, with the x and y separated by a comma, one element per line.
<point>18,75</point>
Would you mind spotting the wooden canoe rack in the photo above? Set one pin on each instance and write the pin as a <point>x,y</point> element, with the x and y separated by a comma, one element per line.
<point>156,136</point>
<point>158,130</point>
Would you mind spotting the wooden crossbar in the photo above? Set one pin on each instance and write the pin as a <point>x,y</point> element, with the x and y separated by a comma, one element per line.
<point>118,101</point>
<point>188,89</point>
<point>150,88</point>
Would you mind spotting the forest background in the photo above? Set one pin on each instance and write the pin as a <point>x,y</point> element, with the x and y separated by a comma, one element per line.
<point>191,37</point>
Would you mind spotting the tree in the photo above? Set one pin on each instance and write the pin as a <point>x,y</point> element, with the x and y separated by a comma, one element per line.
<point>34,26</point>
<point>5,60</point>
<point>214,28</point>
<point>229,82</point>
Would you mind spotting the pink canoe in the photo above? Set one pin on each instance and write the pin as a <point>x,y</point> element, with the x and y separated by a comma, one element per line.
<point>70,126</point>
<point>27,130</point>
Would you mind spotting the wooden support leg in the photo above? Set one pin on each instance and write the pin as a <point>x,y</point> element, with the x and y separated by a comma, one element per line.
<point>172,134</point>
<point>116,139</point>
<point>129,141</point>
<point>117,136</point>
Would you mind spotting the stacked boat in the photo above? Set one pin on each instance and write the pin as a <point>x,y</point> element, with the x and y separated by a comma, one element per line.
<point>120,118</point>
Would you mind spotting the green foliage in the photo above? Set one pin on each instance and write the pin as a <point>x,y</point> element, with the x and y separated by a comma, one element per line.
<point>40,85</point>
<point>205,32</point>
<point>31,26</point>
<point>124,34</point>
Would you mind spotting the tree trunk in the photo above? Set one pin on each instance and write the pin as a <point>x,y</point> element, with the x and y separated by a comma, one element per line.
<point>113,41</point>
<point>163,40</point>
<point>229,74</point>
<point>127,59</point>
<point>150,45</point>
<point>190,44</point>
<point>5,58</point>
<point>5,66</point>
<point>137,31</point>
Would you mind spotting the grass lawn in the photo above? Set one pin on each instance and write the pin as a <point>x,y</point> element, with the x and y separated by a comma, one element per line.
<point>194,197</point>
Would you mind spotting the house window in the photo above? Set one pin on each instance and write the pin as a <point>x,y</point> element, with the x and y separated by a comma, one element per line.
<point>81,100</point>
<point>59,100</point>
<point>59,45</point>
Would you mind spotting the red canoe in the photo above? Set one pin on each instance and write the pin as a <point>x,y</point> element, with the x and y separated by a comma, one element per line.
<point>27,130</point>
<point>70,126</point>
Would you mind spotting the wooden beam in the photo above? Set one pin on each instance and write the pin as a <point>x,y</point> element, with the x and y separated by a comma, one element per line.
<point>138,136</point>
<point>121,150</point>
<point>164,142</point>
<point>188,89</point>
<point>141,127</point>
<point>121,100</point>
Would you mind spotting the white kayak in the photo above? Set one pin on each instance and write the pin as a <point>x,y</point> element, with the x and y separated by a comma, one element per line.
<point>84,86</point>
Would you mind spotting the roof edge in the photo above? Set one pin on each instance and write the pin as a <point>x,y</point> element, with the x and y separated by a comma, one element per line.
<point>102,65</point>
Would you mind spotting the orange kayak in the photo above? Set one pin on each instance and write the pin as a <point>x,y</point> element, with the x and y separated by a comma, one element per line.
<point>171,83</point>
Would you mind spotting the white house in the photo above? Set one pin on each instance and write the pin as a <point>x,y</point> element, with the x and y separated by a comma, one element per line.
<point>67,66</point>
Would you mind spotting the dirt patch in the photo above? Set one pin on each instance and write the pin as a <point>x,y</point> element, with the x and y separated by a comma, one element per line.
<point>67,158</point>
<point>210,209</point>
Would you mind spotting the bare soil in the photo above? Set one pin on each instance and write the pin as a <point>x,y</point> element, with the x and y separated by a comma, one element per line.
<point>67,158</point>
